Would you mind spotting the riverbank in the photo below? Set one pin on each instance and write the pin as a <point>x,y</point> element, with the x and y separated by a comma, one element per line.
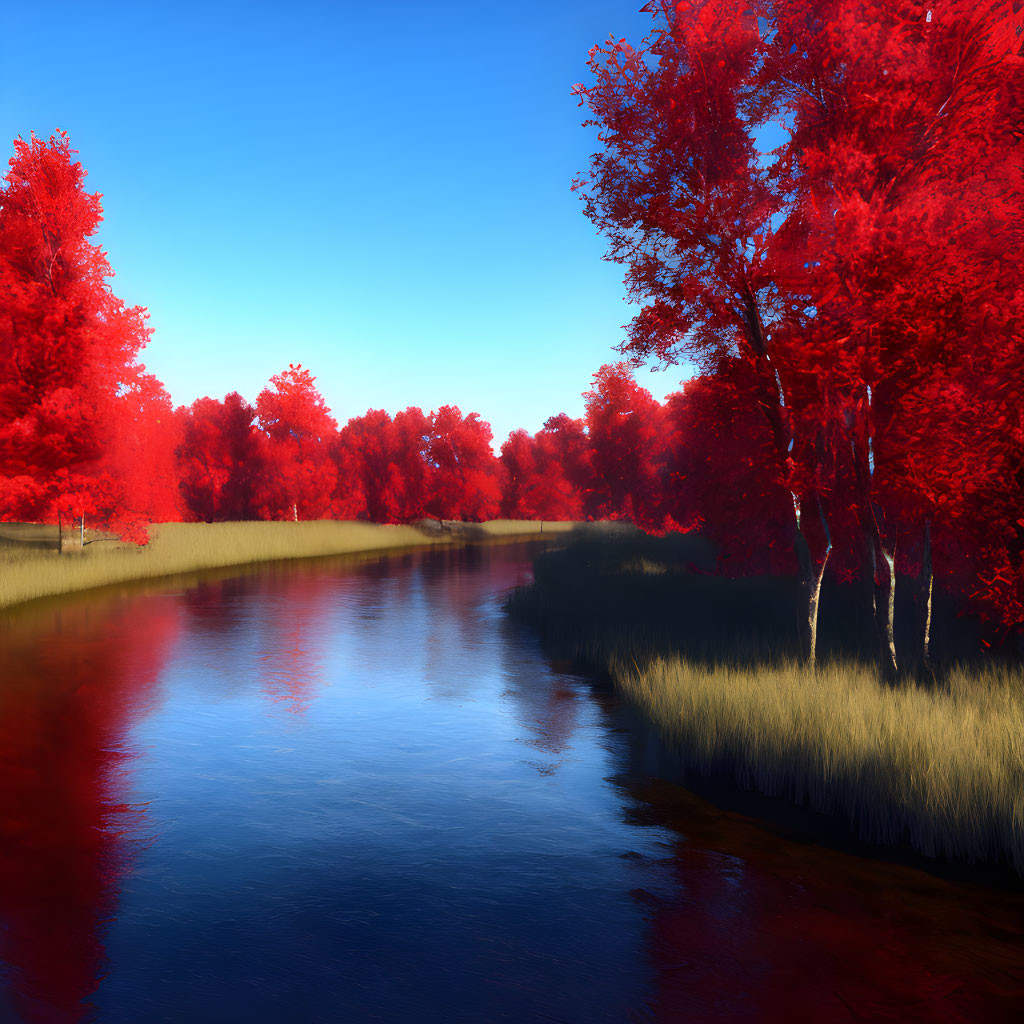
<point>32,568</point>
<point>707,662</point>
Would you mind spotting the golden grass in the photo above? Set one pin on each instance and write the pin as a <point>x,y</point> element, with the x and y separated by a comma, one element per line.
<point>517,527</point>
<point>30,567</point>
<point>940,766</point>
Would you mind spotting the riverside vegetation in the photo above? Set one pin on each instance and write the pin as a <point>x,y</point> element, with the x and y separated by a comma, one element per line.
<point>31,567</point>
<point>934,760</point>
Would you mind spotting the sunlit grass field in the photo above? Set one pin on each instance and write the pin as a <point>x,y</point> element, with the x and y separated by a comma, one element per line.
<point>934,762</point>
<point>31,568</point>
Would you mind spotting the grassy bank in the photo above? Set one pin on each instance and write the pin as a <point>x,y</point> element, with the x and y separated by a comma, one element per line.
<point>710,663</point>
<point>31,568</point>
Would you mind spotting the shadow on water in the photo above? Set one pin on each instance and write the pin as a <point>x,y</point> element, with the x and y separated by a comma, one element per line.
<point>358,791</point>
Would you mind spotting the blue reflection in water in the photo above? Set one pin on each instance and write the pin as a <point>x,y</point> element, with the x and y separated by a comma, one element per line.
<point>368,795</point>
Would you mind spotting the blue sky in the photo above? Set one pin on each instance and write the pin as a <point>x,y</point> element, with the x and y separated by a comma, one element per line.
<point>379,191</point>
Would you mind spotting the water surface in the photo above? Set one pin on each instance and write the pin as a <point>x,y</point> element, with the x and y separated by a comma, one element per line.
<point>357,791</point>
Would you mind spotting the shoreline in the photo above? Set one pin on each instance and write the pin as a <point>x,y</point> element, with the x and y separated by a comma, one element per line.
<point>662,760</point>
<point>926,772</point>
<point>32,570</point>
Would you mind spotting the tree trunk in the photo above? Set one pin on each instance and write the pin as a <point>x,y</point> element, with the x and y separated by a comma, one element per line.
<point>295,513</point>
<point>805,590</point>
<point>881,572</point>
<point>924,599</point>
<point>810,589</point>
<point>83,531</point>
<point>812,614</point>
<point>60,533</point>
<point>885,606</point>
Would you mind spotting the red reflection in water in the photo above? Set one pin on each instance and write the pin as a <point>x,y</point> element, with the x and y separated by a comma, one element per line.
<point>763,930</point>
<point>291,658</point>
<point>73,680</point>
<point>289,662</point>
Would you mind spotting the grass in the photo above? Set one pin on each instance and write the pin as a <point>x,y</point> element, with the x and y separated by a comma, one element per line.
<point>939,767</point>
<point>30,567</point>
<point>711,662</point>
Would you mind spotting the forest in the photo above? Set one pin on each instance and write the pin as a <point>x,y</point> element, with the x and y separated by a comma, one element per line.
<point>851,301</point>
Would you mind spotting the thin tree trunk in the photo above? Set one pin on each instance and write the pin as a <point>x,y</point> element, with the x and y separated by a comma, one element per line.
<point>924,599</point>
<point>60,533</point>
<point>805,591</point>
<point>883,593</point>
<point>885,606</point>
<point>812,615</point>
<point>810,589</point>
<point>812,606</point>
<point>295,513</point>
<point>83,531</point>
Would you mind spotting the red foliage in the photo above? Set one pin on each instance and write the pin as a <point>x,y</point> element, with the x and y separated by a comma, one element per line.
<point>463,469</point>
<point>863,280</point>
<point>218,459</point>
<point>68,344</point>
<point>722,475</point>
<point>297,476</point>
<point>142,456</point>
<point>624,432</point>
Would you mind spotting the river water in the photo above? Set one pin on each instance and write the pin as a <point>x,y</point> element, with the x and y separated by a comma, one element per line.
<point>343,791</point>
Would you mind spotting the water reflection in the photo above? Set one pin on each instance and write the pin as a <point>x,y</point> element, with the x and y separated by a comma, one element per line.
<point>73,682</point>
<point>338,790</point>
<point>755,927</point>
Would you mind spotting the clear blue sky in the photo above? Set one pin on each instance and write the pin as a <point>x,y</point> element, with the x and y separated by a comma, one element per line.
<point>379,191</point>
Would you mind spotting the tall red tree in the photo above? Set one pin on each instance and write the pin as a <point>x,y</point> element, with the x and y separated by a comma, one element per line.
<point>689,207</point>
<point>519,477</point>
<point>840,272</point>
<point>563,458</point>
<point>903,122</point>
<point>143,452</point>
<point>67,343</point>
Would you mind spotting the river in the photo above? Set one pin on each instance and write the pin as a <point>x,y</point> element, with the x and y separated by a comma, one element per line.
<point>345,790</point>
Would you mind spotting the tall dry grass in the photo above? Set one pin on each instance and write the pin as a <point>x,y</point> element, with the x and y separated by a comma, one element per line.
<point>30,567</point>
<point>939,766</point>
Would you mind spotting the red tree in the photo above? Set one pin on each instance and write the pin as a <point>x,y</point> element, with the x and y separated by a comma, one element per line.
<point>902,121</point>
<point>386,464</point>
<point>219,459</point>
<point>368,447</point>
<point>623,430</point>
<point>840,273</point>
<point>546,476</point>
<point>298,476</point>
<point>519,477</point>
<point>143,452</point>
<point>464,477</point>
<point>689,208</point>
<point>563,460</point>
<point>68,344</point>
